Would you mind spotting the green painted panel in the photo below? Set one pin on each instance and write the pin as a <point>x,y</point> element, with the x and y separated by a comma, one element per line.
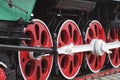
<point>6,13</point>
<point>14,13</point>
<point>27,5</point>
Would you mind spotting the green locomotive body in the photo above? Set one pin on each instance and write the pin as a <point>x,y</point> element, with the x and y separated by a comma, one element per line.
<point>15,9</point>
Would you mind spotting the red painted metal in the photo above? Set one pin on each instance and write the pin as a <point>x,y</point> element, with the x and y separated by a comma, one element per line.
<point>2,74</point>
<point>69,65</point>
<point>36,69</point>
<point>95,31</point>
<point>114,58</point>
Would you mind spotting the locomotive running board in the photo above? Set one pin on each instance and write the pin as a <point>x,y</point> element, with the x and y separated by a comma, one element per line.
<point>26,48</point>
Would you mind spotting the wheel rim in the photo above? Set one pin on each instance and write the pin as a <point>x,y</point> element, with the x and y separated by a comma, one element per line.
<point>2,74</point>
<point>95,31</point>
<point>69,65</point>
<point>113,35</point>
<point>36,69</point>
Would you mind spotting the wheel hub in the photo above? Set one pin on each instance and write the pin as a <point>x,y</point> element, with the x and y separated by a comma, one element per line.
<point>100,47</point>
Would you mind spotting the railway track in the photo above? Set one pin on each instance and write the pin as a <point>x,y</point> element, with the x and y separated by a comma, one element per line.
<point>115,76</point>
<point>109,74</point>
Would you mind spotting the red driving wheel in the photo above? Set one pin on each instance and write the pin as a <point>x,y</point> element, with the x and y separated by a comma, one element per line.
<point>33,69</point>
<point>69,65</point>
<point>95,31</point>
<point>113,35</point>
<point>2,74</point>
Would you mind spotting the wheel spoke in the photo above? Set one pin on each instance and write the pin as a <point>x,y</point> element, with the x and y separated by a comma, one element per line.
<point>92,33</point>
<point>95,62</point>
<point>88,39</point>
<point>115,57</point>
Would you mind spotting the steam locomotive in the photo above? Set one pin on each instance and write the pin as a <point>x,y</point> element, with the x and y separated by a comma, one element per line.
<point>44,39</point>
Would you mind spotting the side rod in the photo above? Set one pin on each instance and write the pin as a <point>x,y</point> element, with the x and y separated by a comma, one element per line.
<point>97,47</point>
<point>25,48</point>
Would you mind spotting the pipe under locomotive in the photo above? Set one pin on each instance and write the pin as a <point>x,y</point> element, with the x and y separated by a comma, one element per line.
<point>45,39</point>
